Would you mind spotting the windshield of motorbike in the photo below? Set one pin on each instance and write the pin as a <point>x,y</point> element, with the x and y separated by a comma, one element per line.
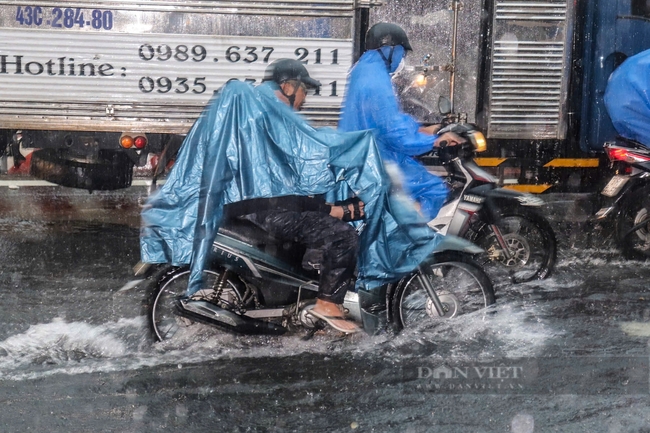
<point>418,92</point>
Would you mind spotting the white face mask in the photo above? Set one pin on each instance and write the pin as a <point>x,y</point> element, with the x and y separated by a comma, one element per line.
<point>400,67</point>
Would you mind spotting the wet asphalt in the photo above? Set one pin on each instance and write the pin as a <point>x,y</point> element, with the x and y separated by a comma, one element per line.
<point>568,354</point>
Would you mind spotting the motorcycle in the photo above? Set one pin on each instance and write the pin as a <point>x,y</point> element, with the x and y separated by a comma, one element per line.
<point>505,223</point>
<point>255,284</point>
<point>627,197</point>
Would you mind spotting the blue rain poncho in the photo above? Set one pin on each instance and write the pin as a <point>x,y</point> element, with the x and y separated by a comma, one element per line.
<point>370,103</point>
<point>627,98</point>
<point>248,144</point>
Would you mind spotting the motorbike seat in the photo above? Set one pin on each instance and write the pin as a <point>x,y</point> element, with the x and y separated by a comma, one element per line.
<point>628,142</point>
<point>249,233</point>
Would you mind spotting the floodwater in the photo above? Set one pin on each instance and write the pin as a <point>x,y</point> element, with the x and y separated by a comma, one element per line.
<point>568,354</point>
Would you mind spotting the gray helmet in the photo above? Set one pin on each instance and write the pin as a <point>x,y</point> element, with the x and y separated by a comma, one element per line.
<point>288,69</point>
<point>387,34</point>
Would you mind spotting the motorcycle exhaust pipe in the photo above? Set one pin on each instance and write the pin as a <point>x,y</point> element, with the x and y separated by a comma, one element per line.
<point>206,312</point>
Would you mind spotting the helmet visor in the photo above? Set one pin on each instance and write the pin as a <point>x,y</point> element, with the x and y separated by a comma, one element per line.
<point>310,82</point>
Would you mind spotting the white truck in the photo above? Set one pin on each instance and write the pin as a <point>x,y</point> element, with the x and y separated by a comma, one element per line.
<point>96,86</point>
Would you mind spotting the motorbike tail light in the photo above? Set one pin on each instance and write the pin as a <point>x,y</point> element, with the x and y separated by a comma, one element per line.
<point>140,142</point>
<point>619,154</point>
<point>478,140</point>
<point>126,141</point>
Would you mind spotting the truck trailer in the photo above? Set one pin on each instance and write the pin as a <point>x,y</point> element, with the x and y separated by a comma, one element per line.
<point>97,86</point>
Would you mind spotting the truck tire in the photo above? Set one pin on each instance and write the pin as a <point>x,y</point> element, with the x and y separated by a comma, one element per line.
<point>111,170</point>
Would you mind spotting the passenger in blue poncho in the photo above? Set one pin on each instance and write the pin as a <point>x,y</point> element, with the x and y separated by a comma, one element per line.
<point>370,103</point>
<point>321,227</point>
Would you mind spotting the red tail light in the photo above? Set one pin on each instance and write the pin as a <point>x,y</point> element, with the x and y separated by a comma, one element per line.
<point>618,154</point>
<point>140,142</point>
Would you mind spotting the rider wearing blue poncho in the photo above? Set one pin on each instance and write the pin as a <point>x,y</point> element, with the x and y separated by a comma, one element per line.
<point>370,103</point>
<point>627,98</point>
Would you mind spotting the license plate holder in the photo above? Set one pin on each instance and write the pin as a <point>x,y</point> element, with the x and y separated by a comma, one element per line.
<point>614,185</point>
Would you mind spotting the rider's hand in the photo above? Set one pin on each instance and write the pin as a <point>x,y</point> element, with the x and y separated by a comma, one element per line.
<point>337,211</point>
<point>431,130</point>
<point>451,139</point>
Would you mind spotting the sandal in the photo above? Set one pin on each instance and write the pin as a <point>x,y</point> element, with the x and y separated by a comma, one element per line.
<point>347,215</point>
<point>331,319</point>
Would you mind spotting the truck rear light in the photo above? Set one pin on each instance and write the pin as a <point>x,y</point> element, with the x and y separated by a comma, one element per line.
<point>140,142</point>
<point>126,141</point>
<point>618,154</point>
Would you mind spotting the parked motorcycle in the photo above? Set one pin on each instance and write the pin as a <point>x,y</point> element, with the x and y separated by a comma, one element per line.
<point>627,197</point>
<point>255,284</point>
<point>506,223</point>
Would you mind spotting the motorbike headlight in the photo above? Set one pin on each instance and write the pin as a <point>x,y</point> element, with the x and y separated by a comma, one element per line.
<point>478,140</point>
<point>420,80</point>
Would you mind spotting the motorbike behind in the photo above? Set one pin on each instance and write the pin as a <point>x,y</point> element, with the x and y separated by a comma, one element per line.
<point>256,284</point>
<point>626,197</point>
<point>507,224</point>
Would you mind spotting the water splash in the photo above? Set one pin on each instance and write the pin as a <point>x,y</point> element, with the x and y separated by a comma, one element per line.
<point>516,327</point>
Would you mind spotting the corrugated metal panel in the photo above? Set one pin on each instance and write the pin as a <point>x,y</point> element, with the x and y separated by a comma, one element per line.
<point>240,7</point>
<point>146,118</point>
<point>533,11</point>
<point>530,52</point>
<point>92,79</point>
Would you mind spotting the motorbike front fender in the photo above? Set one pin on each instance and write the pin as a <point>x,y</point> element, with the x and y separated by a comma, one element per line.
<point>499,201</point>
<point>454,243</point>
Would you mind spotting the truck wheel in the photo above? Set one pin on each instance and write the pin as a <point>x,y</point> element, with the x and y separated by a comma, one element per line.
<point>111,170</point>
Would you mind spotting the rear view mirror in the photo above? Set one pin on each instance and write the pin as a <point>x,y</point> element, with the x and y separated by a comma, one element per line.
<point>444,105</point>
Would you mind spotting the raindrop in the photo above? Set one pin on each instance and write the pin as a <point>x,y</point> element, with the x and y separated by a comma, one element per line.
<point>522,423</point>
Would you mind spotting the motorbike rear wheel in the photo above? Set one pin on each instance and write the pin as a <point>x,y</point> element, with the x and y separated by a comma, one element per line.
<point>170,283</point>
<point>531,243</point>
<point>633,226</point>
<point>460,283</point>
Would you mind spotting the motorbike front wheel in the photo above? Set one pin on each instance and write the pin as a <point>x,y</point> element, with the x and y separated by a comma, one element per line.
<point>170,283</point>
<point>531,243</point>
<point>633,225</point>
<point>459,282</point>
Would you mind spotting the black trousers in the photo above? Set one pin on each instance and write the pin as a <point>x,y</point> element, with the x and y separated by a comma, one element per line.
<point>330,242</point>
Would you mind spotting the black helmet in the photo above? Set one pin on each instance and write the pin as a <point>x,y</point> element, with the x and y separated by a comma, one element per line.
<point>382,34</point>
<point>288,69</point>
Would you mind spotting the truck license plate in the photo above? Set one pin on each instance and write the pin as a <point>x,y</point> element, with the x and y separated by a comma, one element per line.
<point>614,185</point>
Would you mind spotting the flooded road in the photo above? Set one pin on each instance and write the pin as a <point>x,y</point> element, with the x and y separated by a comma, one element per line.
<point>568,354</point>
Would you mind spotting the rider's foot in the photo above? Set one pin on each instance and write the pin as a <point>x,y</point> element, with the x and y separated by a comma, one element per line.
<point>331,313</point>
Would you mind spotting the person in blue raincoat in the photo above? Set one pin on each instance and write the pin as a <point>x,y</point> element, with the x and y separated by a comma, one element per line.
<point>370,103</point>
<point>627,98</point>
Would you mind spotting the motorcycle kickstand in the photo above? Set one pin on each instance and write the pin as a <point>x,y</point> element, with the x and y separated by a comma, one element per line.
<point>424,281</point>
